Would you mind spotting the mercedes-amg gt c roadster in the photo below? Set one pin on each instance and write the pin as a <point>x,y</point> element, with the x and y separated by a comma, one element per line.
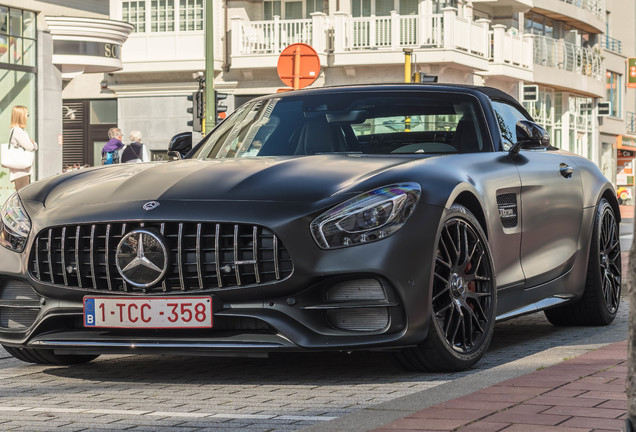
<point>404,218</point>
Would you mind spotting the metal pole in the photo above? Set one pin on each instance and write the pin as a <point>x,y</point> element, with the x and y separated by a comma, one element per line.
<point>209,119</point>
<point>407,64</point>
<point>297,68</point>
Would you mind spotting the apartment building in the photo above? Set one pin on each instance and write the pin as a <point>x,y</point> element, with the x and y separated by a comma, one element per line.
<point>574,51</point>
<point>45,47</point>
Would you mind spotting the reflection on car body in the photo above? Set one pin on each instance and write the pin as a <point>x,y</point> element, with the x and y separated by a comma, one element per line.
<point>407,218</point>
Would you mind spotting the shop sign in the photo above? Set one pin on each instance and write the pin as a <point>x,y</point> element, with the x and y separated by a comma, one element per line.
<point>631,72</point>
<point>530,93</point>
<point>87,48</point>
<point>604,109</point>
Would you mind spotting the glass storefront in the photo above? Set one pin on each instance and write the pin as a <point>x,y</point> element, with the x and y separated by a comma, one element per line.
<point>17,76</point>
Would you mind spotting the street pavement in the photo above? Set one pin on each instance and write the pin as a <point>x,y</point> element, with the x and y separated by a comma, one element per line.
<point>315,391</point>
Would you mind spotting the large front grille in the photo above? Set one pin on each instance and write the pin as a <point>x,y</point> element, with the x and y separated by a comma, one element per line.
<point>202,256</point>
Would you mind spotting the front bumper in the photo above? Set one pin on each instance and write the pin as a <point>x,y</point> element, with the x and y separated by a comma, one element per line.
<point>292,314</point>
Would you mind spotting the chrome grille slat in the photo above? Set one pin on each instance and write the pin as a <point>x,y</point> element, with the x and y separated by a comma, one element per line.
<point>50,256</point>
<point>255,253</point>
<point>237,267</point>
<point>276,268</point>
<point>217,257</point>
<point>198,252</point>
<point>107,257</point>
<point>202,256</point>
<point>180,256</point>
<point>77,255</point>
<point>92,255</point>
<point>63,250</point>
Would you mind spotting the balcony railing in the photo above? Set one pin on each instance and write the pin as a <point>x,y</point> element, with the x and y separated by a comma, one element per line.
<point>510,49</point>
<point>271,37</point>
<point>557,53</point>
<point>630,122</point>
<point>387,32</point>
<point>611,44</point>
<point>597,7</point>
<point>349,35</point>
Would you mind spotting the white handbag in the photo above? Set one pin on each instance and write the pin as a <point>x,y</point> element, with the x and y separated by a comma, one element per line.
<point>14,156</point>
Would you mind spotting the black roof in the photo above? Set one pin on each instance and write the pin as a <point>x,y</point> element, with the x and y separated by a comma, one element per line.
<point>491,92</point>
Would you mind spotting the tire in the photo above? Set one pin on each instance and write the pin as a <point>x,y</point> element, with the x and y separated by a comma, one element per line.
<point>601,297</point>
<point>47,357</point>
<point>463,299</point>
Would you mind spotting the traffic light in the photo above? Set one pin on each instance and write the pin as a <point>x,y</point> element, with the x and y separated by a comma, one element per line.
<point>220,108</point>
<point>197,110</point>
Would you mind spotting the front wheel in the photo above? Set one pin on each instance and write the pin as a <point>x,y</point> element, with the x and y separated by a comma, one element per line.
<point>602,294</point>
<point>48,357</point>
<point>464,299</point>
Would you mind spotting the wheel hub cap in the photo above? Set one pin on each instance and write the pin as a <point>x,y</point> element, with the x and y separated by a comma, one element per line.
<point>457,285</point>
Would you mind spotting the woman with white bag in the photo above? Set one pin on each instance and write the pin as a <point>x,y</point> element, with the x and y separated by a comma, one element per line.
<point>20,138</point>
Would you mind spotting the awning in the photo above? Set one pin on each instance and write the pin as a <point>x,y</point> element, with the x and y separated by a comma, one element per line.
<point>87,44</point>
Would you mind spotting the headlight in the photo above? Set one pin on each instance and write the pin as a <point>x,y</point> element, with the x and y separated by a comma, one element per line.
<point>367,217</point>
<point>14,224</point>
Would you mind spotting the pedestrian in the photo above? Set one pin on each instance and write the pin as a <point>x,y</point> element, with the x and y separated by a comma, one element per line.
<point>19,137</point>
<point>112,149</point>
<point>135,151</point>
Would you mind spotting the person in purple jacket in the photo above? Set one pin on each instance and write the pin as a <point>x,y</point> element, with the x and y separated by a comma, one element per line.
<point>112,149</point>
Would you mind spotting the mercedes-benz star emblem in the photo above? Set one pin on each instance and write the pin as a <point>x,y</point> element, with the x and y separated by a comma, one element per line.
<point>150,205</point>
<point>142,258</point>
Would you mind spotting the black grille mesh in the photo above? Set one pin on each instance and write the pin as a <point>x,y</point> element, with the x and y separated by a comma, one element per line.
<point>507,204</point>
<point>202,256</point>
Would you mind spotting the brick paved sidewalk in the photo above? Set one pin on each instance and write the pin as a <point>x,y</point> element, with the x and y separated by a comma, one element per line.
<point>585,393</point>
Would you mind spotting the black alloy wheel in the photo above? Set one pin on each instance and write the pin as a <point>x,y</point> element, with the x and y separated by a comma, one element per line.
<point>610,260</point>
<point>601,298</point>
<point>463,299</point>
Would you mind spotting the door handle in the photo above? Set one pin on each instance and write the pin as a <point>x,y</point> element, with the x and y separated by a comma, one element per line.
<point>566,170</point>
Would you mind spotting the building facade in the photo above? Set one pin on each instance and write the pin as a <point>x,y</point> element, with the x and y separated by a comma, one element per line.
<point>46,46</point>
<point>573,51</point>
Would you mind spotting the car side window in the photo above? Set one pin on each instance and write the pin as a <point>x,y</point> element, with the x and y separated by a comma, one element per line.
<point>507,118</point>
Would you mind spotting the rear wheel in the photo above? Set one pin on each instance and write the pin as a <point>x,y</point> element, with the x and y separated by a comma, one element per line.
<point>463,299</point>
<point>601,297</point>
<point>44,356</point>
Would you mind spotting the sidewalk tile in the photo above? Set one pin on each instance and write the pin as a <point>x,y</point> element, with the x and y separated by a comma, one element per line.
<point>611,424</point>
<point>531,419</point>
<point>428,424</point>
<point>446,413</point>
<point>534,428</point>
<point>585,412</point>
<point>564,401</point>
<point>486,426</point>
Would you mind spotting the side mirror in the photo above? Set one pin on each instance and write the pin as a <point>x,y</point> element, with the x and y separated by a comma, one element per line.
<point>530,136</point>
<point>174,155</point>
<point>182,143</point>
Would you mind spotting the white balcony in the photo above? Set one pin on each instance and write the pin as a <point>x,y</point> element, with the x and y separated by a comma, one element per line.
<point>257,44</point>
<point>584,67</point>
<point>376,40</point>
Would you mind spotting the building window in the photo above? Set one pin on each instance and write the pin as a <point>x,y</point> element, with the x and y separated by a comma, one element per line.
<point>162,16</point>
<point>613,93</point>
<point>17,36</point>
<point>134,12</point>
<point>284,9</point>
<point>190,15</point>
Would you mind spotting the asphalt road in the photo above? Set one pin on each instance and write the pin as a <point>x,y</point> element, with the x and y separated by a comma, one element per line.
<point>286,392</point>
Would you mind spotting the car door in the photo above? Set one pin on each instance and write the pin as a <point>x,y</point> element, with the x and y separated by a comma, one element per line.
<point>551,205</point>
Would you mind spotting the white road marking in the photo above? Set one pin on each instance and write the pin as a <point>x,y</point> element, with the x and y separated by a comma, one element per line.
<point>166,413</point>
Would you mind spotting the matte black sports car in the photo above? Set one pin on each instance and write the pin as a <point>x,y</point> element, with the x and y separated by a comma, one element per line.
<point>407,218</point>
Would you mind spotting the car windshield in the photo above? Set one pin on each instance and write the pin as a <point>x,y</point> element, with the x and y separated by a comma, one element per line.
<point>350,122</point>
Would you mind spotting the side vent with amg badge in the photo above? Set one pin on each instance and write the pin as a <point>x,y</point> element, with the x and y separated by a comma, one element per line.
<point>507,204</point>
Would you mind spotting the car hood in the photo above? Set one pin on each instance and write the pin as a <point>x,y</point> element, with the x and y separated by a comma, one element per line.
<point>284,179</point>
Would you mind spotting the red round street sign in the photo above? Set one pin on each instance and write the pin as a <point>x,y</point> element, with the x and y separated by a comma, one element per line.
<point>298,65</point>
